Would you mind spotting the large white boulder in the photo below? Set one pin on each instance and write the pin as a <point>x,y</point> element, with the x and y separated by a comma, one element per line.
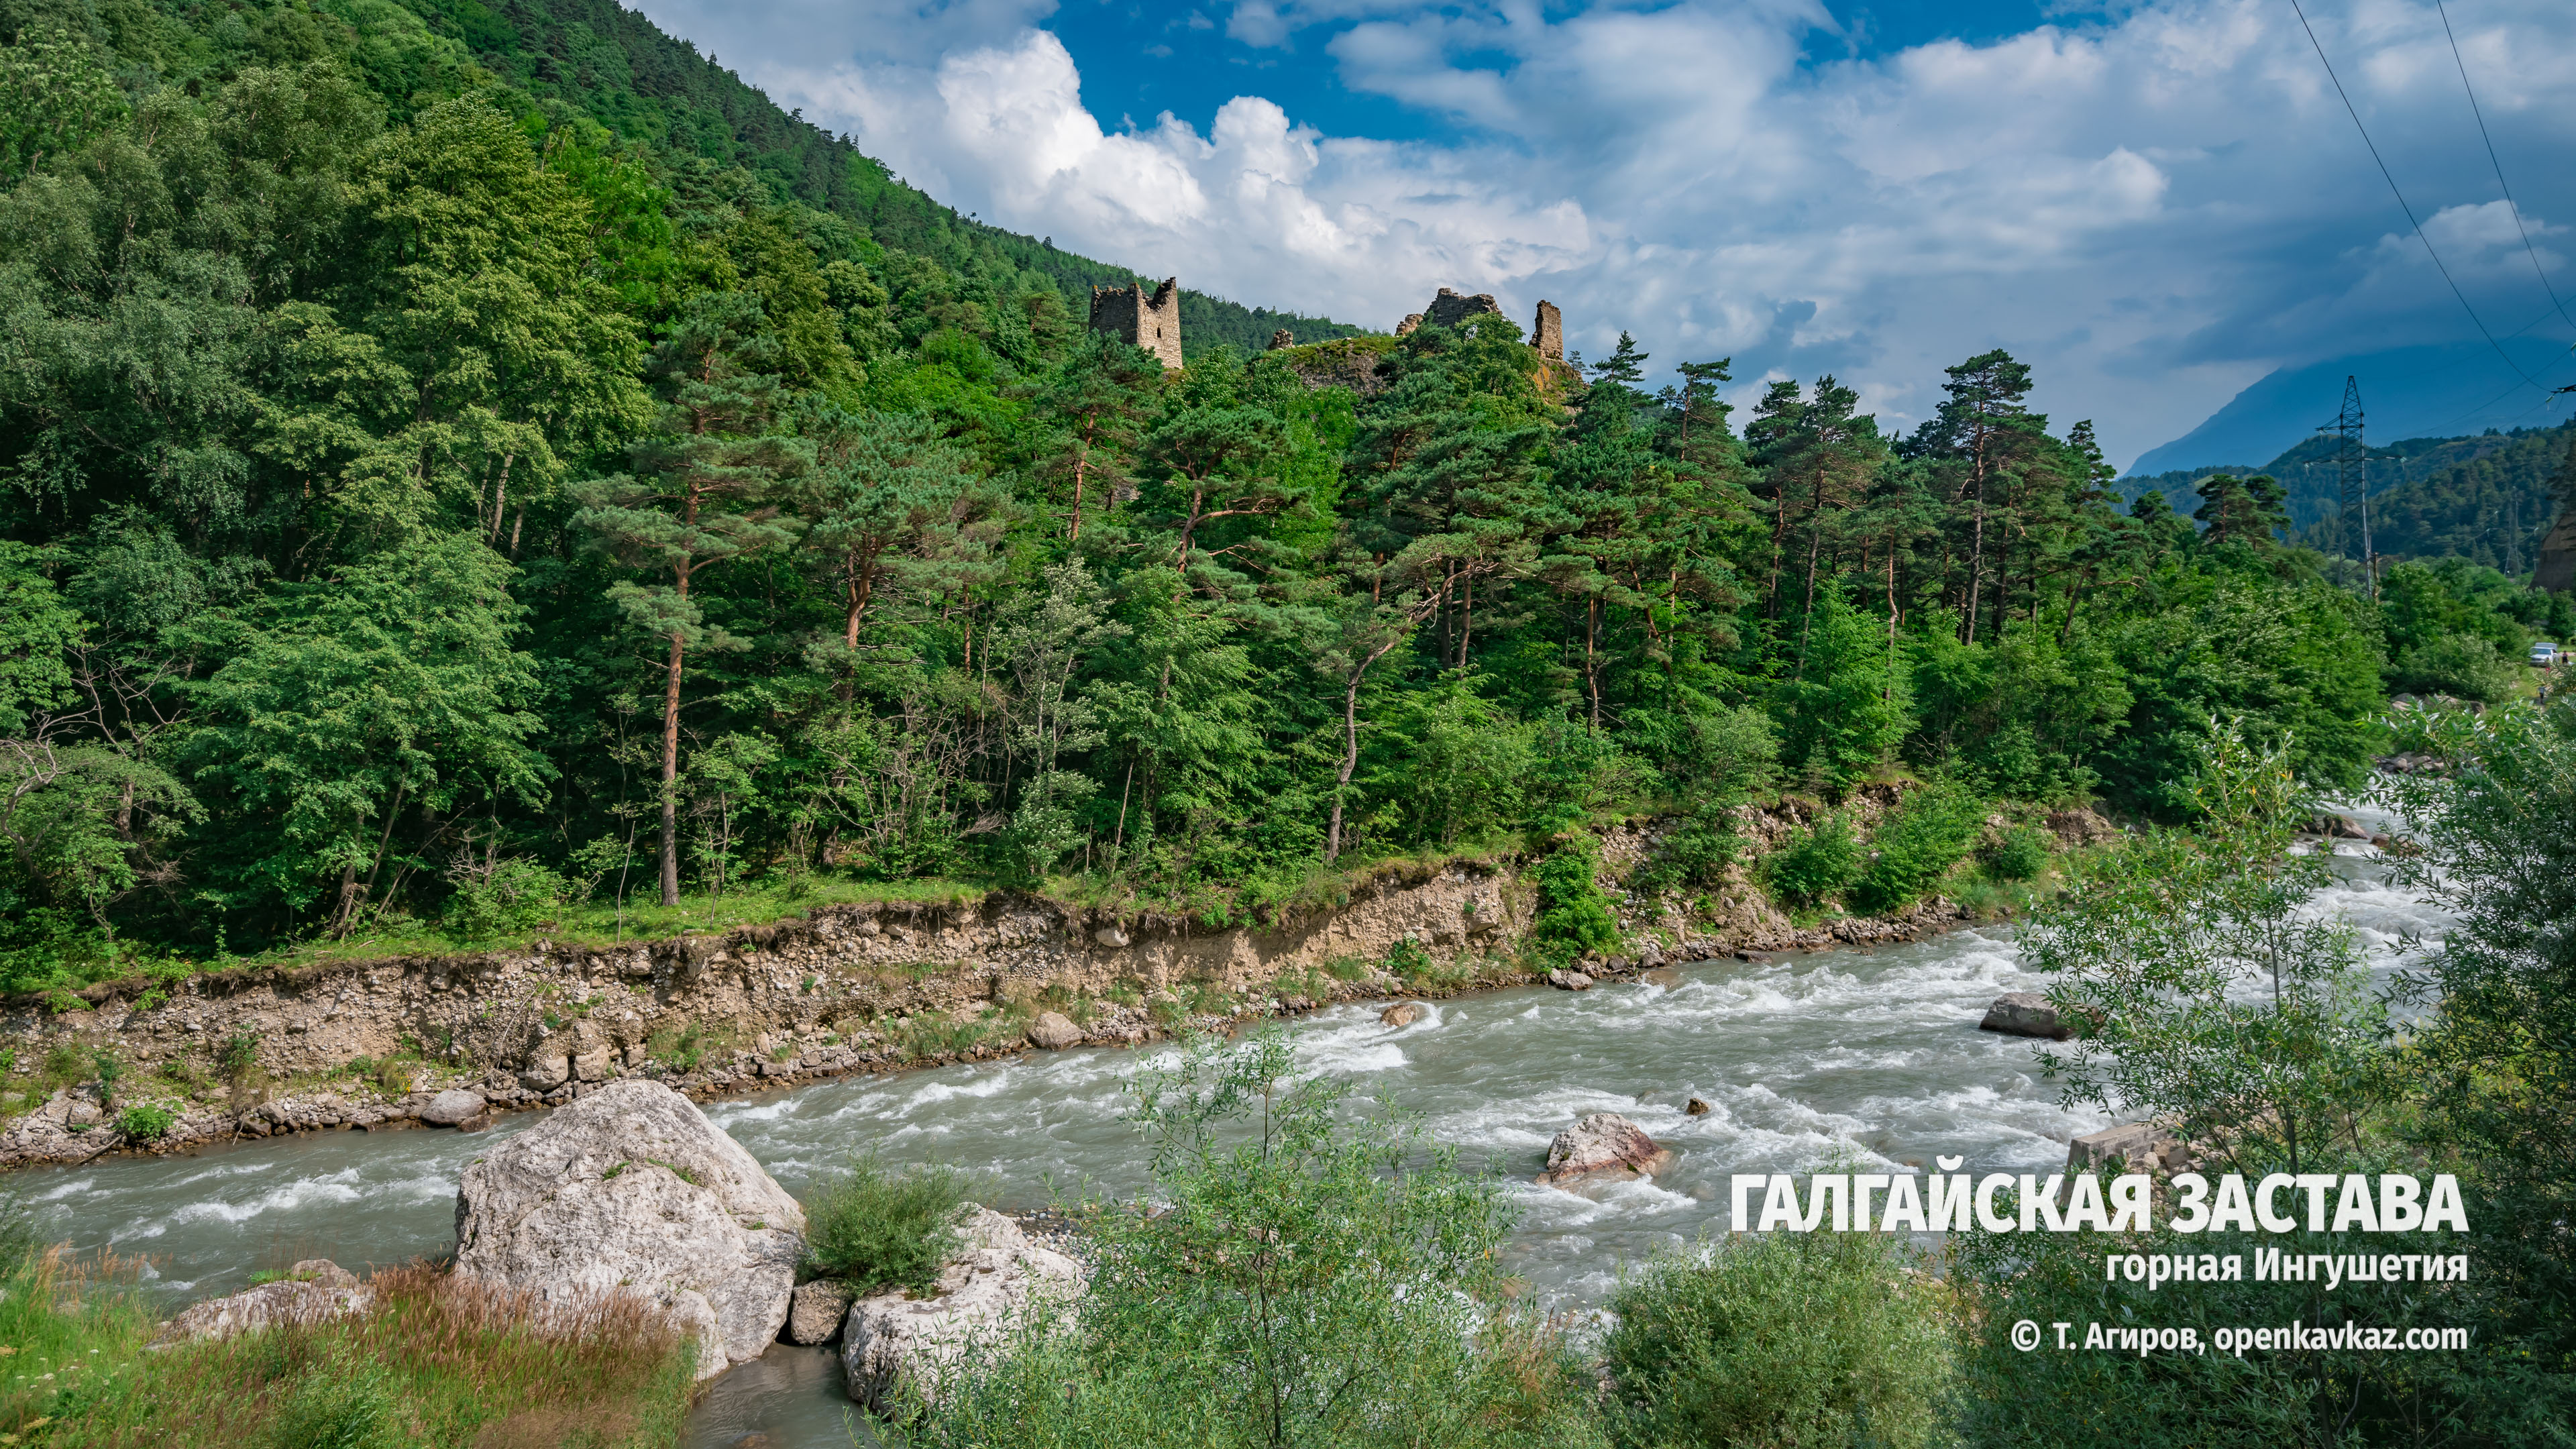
<point>631,1187</point>
<point>1603,1143</point>
<point>895,1336</point>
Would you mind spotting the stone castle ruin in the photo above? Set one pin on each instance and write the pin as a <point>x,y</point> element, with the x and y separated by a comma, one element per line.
<point>1153,323</point>
<point>1547,332</point>
<point>1547,329</point>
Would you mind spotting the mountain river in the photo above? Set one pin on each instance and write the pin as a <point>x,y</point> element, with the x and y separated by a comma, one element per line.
<point>1873,1052</point>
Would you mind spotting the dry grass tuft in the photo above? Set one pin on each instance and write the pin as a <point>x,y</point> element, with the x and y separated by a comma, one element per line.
<point>437,1360</point>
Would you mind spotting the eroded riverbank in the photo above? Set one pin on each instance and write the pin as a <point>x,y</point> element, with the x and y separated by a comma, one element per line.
<point>864,988</point>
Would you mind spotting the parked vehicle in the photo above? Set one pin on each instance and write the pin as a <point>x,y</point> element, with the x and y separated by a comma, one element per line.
<point>2544,654</point>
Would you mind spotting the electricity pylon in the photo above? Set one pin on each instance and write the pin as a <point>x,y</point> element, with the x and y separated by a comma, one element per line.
<point>2351,458</point>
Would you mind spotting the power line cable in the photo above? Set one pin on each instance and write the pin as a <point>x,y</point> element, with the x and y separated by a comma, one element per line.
<point>2390,177</point>
<point>2510,204</point>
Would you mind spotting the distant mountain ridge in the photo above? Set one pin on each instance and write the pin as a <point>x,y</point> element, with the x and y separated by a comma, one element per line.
<point>2489,498</point>
<point>625,72</point>
<point>2441,391</point>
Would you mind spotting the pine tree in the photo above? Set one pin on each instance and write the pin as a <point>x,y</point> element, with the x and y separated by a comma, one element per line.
<point>1983,429</point>
<point>893,500</point>
<point>703,492</point>
<point>2248,510</point>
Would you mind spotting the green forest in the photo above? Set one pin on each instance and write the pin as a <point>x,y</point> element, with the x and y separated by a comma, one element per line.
<point>461,462</point>
<point>2488,499</point>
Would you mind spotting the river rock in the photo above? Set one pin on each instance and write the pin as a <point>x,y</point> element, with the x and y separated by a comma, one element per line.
<point>2024,1013</point>
<point>818,1311</point>
<point>1603,1142</point>
<point>1696,1108</point>
<point>313,1291</point>
<point>1054,1031</point>
<point>451,1107</point>
<point>2140,1147</point>
<point>595,1065</point>
<point>894,1336</point>
<point>546,1071</point>
<point>1564,980</point>
<point>1401,1013</point>
<point>631,1186</point>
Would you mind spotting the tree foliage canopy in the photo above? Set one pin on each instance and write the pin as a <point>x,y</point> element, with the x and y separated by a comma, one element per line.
<point>415,456</point>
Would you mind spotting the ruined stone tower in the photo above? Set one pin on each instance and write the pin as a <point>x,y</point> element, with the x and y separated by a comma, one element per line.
<point>1547,333</point>
<point>1153,323</point>
<point>1451,308</point>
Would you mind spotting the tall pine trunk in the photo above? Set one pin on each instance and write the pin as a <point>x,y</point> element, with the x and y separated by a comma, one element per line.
<point>671,777</point>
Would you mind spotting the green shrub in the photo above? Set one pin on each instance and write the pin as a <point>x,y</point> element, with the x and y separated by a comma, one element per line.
<point>2466,665</point>
<point>869,1227</point>
<point>1813,864</point>
<point>146,1123</point>
<point>1408,961</point>
<point>2021,855</point>
<point>1918,842</point>
<point>1697,854</point>
<point>1573,916</point>
<point>1303,1275</point>
<point>1783,1340</point>
<point>515,895</point>
<point>109,1069</point>
<point>64,1066</point>
<point>238,1056</point>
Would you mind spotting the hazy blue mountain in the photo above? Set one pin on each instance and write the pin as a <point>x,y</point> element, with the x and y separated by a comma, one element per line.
<point>2406,392</point>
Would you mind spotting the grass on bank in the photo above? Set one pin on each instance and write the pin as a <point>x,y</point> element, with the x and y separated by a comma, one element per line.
<point>439,1362</point>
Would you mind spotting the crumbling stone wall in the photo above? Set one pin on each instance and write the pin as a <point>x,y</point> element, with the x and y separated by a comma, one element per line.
<point>1151,322</point>
<point>1451,308</point>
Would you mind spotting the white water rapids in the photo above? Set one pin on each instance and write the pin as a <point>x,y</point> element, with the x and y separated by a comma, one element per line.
<point>1872,1053</point>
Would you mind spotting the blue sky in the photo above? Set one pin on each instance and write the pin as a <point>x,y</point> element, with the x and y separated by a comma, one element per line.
<point>1139,60</point>
<point>2154,202</point>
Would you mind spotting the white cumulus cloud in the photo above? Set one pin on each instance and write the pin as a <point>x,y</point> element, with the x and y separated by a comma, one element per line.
<point>2153,210</point>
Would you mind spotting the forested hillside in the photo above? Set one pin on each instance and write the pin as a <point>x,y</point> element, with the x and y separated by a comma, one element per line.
<point>2487,498</point>
<point>431,500</point>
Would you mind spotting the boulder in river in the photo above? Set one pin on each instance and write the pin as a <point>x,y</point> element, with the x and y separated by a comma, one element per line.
<point>2024,1013</point>
<point>1565,980</point>
<point>894,1336</point>
<point>816,1316</point>
<point>1697,1108</point>
<point>313,1291</point>
<point>1603,1143</point>
<point>1054,1031</point>
<point>632,1187</point>
<point>1401,1013</point>
<point>451,1107</point>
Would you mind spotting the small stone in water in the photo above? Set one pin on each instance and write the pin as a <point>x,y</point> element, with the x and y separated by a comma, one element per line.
<point>1697,1108</point>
